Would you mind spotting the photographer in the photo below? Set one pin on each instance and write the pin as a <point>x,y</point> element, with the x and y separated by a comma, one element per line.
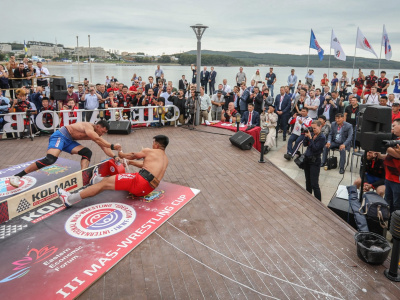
<point>301,122</point>
<point>257,99</point>
<point>315,142</point>
<point>392,170</point>
<point>179,101</point>
<point>190,107</point>
<point>71,106</point>
<point>47,118</point>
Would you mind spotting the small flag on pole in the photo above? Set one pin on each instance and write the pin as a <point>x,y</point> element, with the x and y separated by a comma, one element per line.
<point>314,45</point>
<point>362,43</point>
<point>386,44</point>
<point>25,49</point>
<point>335,45</point>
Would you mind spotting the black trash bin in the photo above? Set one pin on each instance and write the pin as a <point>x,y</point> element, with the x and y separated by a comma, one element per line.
<point>372,248</point>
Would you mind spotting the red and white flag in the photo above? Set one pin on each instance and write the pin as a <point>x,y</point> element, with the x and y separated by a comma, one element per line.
<point>337,47</point>
<point>386,44</point>
<point>362,43</point>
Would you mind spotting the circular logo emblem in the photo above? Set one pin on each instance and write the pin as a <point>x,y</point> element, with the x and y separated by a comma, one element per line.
<point>100,220</point>
<point>112,169</point>
<point>6,189</point>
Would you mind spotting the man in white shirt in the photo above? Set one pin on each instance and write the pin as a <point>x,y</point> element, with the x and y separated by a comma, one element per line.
<point>292,80</point>
<point>167,94</point>
<point>40,73</point>
<point>310,78</point>
<point>205,105</point>
<point>312,103</point>
<point>373,98</point>
<point>226,88</point>
<point>91,102</point>
<point>218,101</point>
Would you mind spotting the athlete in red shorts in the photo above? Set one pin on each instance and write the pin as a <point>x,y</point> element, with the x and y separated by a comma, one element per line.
<point>153,167</point>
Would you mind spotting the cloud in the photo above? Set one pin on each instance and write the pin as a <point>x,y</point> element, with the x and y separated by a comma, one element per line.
<point>164,26</point>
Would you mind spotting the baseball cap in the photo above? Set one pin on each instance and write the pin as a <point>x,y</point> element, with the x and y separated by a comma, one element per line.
<point>70,85</point>
<point>396,103</point>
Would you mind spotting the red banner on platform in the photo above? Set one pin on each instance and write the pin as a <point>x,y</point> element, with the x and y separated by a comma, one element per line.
<point>64,253</point>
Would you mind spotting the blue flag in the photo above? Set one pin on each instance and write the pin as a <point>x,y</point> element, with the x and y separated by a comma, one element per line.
<point>314,44</point>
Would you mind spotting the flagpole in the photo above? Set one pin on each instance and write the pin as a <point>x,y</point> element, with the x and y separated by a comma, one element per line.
<point>355,51</point>
<point>380,55</point>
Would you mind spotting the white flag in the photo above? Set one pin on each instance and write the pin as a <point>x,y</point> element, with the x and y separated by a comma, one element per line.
<point>335,45</point>
<point>386,44</point>
<point>362,43</point>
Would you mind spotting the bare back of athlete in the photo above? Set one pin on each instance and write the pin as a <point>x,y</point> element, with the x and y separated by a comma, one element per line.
<point>153,167</point>
<point>65,140</point>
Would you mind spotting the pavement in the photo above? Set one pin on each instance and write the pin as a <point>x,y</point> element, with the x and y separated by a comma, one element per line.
<point>328,180</point>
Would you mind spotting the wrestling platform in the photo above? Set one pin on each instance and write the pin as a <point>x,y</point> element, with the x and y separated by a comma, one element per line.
<point>245,230</point>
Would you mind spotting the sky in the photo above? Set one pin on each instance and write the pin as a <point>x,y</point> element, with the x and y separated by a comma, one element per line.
<point>157,27</point>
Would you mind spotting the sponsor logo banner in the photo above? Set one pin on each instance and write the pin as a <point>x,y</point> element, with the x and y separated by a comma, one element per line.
<point>71,249</point>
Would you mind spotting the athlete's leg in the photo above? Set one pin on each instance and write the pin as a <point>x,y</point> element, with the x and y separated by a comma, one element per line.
<point>108,183</point>
<point>49,159</point>
<point>86,154</point>
<point>43,162</point>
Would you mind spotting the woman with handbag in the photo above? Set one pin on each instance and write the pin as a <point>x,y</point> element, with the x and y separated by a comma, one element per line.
<point>312,160</point>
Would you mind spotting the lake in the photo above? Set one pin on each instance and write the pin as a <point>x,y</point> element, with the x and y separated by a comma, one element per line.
<point>174,73</point>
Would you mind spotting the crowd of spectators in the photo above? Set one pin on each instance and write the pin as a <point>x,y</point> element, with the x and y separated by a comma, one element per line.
<point>304,111</point>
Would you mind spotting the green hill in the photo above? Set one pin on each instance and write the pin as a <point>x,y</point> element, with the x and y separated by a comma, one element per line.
<point>291,60</point>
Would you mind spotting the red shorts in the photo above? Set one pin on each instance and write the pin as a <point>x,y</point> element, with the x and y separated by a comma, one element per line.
<point>133,183</point>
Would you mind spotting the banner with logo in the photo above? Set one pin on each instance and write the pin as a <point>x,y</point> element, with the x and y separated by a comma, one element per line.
<point>61,168</point>
<point>61,254</point>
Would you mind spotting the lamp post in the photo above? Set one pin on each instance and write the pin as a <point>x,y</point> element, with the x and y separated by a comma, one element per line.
<point>198,31</point>
<point>263,139</point>
<point>77,50</point>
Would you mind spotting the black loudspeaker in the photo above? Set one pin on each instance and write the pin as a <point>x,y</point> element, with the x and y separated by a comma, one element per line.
<point>242,140</point>
<point>120,127</point>
<point>376,126</point>
<point>58,88</point>
<point>341,207</point>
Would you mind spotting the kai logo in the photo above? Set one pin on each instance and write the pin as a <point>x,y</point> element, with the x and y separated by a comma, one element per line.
<point>154,195</point>
<point>54,169</point>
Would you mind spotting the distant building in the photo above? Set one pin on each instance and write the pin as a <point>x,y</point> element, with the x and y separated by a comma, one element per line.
<point>94,51</point>
<point>44,49</point>
<point>5,48</point>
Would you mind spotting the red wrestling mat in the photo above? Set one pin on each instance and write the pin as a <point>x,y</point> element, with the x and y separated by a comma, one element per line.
<point>64,253</point>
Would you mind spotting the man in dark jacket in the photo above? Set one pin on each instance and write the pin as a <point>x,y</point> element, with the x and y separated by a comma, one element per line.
<point>282,106</point>
<point>340,137</point>
<point>257,99</point>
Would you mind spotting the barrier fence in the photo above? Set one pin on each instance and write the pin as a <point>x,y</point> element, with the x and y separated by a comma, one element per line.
<point>17,122</point>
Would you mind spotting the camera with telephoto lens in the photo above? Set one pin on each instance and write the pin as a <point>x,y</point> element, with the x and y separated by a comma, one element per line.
<point>70,107</point>
<point>389,143</point>
<point>305,130</point>
<point>170,113</point>
<point>28,112</point>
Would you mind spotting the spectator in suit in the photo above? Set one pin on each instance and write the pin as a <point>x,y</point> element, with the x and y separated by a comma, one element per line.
<point>257,99</point>
<point>250,117</point>
<point>211,80</point>
<point>150,85</point>
<point>204,76</point>
<point>301,121</point>
<point>340,138</point>
<point>243,98</point>
<point>183,84</point>
<point>282,106</point>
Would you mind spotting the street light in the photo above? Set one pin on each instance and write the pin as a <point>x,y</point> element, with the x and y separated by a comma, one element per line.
<point>198,31</point>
